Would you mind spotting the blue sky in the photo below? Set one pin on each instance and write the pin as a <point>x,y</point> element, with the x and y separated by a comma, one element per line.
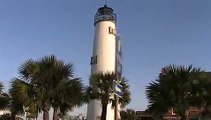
<point>154,33</point>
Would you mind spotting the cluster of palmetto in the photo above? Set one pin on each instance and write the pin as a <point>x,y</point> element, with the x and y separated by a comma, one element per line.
<point>43,84</point>
<point>4,98</point>
<point>128,114</point>
<point>102,89</point>
<point>50,83</point>
<point>180,88</point>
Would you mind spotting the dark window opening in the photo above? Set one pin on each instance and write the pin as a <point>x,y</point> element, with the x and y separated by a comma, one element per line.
<point>93,60</point>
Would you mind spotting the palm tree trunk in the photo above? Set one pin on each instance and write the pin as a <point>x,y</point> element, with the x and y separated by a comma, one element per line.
<point>55,114</point>
<point>45,115</point>
<point>178,118</point>
<point>104,111</point>
<point>184,117</point>
<point>45,108</point>
<point>13,114</point>
<point>187,114</point>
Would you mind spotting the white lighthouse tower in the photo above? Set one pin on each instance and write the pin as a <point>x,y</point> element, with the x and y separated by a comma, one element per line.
<point>106,55</point>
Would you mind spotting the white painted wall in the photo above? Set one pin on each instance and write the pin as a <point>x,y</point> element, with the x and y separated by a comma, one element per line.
<point>105,49</point>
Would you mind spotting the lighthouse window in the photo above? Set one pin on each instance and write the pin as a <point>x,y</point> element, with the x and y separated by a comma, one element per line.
<point>112,31</point>
<point>93,60</point>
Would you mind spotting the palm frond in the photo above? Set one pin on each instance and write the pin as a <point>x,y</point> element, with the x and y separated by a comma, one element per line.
<point>176,87</point>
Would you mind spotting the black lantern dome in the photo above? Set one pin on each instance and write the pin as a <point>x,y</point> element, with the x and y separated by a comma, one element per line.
<point>105,14</point>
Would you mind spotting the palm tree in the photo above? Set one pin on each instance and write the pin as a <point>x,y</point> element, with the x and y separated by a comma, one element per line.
<point>102,89</point>
<point>37,74</point>
<point>128,114</point>
<point>173,89</point>
<point>41,81</point>
<point>202,94</point>
<point>69,94</point>
<point>22,94</point>
<point>4,98</point>
<point>126,97</point>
